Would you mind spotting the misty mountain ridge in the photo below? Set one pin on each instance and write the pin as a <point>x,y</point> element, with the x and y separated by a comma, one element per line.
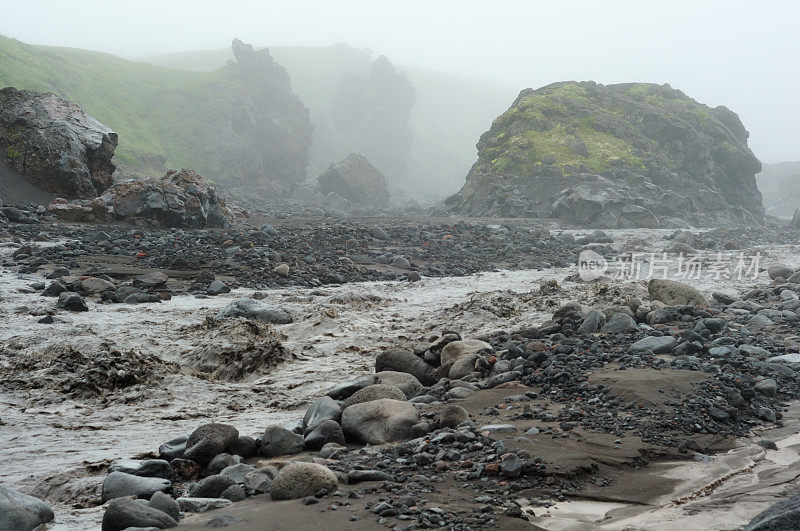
<point>780,185</point>
<point>449,113</point>
<point>162,114</point>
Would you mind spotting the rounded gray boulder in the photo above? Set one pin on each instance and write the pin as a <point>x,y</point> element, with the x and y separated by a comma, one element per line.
<point>209,440</point>
<point>466,347</point>
<point>374,392</point>
<point>280,441</point>
<point>379,421</point>
<point>407,383</point>
<point>400,360</point>
<point>119,484</point>
<point>298,480</point>
<point>123,513</point>
<point>23,512</point>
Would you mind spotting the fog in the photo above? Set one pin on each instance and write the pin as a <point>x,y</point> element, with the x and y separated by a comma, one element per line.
<point>740,54</point>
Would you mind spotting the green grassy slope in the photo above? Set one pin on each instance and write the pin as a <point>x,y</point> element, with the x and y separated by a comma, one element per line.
<point>154,109</point>
<point>160,106</point>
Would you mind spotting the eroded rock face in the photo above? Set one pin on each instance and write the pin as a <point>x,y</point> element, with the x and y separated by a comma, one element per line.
<point>627,155</point>
<point>178,199</point>
<point>54,144</point>
<point>373,111</point>
<point>269,133</point>
<point>356,180</point>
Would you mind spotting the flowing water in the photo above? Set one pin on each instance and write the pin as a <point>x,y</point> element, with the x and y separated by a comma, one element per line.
<point>336,333</point>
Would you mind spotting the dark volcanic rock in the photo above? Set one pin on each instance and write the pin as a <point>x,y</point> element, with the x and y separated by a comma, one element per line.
<point>269,130</point>
<point>783,515</point>
<point>251,309</point>
<point>123,513</point>
<point>278,441</point>
<point>23,512</point>
<point>178,199</point>
<point>404,361</point>
<point>627,155</point>
<point>356,180</point>
<point>209,440</point>
<point>54,144</point>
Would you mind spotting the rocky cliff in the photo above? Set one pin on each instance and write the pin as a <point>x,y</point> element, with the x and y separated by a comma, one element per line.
<point>621,155</point>
<point>267,138</point>
<point>54,144</point>
<point>372,111</point>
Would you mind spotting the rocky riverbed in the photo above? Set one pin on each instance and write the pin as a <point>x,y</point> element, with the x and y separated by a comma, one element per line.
<point>617,408</point>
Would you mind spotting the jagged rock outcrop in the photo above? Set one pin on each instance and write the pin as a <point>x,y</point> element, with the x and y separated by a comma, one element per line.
<point>626,155</point>
<point>54,144</point>
<point>356,180</point>
<point>372,112</point>
<point>178,199</point>
<point>265,144</point>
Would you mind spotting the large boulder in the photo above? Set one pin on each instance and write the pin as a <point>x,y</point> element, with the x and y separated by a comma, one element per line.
<point>323,408</point>
<point>298,480</point>
<point>22,512</point>
<point>400,360</point>
<point>119,484</point>
<point>407,383</point>
<point>374,392</point>
<point>251,309</point>
<point>54,144</point>
<point>209,440</point>
<point>356,180</point>
<point>178,199</point>
<point>379,421</point>
<point>466,347</point>
<point>673,293</point>
<point>280,441</point>
<point>123,513</point>
<point>85,210</point>
<point>619,156</point>
<point>322,433</point>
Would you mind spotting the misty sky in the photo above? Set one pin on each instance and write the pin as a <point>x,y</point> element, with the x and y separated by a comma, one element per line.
<point>741,54</point>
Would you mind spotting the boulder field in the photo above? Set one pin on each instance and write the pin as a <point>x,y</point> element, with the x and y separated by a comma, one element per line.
<point>557,410</point>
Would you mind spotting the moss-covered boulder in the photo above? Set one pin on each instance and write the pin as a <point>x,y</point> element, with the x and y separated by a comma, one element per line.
<point>632,154</point>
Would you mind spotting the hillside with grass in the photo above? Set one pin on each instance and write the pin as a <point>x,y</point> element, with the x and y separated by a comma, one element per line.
<point>164,107</point>
<point>150,107</point>
<point>168,118</point>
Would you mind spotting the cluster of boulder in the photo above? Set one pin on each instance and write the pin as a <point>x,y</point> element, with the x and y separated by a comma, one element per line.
<point>616,156</point>
<point>61,150</point>
<point>178,199</point>
<point>206,469</point>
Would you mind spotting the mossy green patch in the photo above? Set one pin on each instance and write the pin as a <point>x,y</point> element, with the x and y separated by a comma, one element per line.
<point>551,132</point>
